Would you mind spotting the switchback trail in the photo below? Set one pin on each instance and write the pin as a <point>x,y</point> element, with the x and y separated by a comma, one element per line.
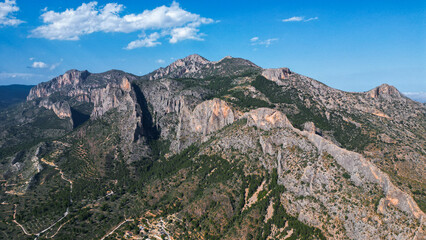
<point>60,219</point>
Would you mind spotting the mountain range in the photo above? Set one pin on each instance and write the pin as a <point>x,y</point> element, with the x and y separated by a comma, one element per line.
<point>211,150</point>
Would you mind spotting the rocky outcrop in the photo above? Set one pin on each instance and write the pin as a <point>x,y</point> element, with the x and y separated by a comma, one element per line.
<point>385,91</point>
<point>310,127</point>
<point>62,108</point>
<point>277,74</point>
<point>103,90</point>
<point>266,119</point>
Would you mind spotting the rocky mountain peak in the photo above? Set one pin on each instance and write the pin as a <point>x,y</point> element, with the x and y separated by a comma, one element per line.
<point>189,61</point>
<point>194,58</point>
<point>196,66</point>
<point>229,60</point>
<point>188,65</point>
<point>70,78</point>
<point>385,91</point>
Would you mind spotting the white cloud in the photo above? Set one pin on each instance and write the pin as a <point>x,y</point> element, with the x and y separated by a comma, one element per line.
<point>293,19</point>
<point>418,96</point>
<point>39,65</point>
<point>160,61</point>
<point>254,39</point>
<point>299,19</point>
<point>88,18</point>
<point>7,8</point>
<point>150,41</point>
<point>183,33</point>
<point>266,43</point>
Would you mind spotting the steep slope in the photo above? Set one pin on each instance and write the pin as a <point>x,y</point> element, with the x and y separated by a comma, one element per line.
<point>221,150</point>
<point>385,126</point>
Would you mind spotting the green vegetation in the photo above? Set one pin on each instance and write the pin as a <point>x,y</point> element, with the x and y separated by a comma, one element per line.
<point>420,198</point>
<point>274,92</point>
<point>247,102</point>
<point>346,175</point>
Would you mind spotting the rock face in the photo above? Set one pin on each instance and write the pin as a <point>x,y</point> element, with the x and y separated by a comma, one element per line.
<point>61,109</point>
<point>266,119</point>
<point>103,91</point>
<point>277,74</point>
<point>105,99</point>
<point>210,116</point>
<point>206,118</point>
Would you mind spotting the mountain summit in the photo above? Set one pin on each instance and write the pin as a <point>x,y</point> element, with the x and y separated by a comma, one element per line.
<point>195,66</point>
<point>211,150</point>
<point>194,58</point>
<point>385,91</point>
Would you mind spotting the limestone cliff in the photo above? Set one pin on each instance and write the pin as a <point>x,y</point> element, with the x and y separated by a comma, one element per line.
<point>276,74</point>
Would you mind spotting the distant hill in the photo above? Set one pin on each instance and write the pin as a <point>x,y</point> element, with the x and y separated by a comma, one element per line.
<point>12,94</point>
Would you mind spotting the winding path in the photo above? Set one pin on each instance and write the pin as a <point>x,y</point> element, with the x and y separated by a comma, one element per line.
<point>60,219</point>
<point>117,227</point>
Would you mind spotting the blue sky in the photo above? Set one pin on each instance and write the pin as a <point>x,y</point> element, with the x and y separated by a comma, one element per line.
<point>349,45</point>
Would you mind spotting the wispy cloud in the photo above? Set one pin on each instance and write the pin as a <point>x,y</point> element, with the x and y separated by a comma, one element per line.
<point>311,19</point>
<point>4,75</point>
<point>55,65</point>
<point>299,19</point>
<point>160,61</point>
<point>418,96</point>
<point>256,41</point>
<point>172,21</point>
<point>7,9</point>
<point>7,78</point>
<point>293,19</point>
